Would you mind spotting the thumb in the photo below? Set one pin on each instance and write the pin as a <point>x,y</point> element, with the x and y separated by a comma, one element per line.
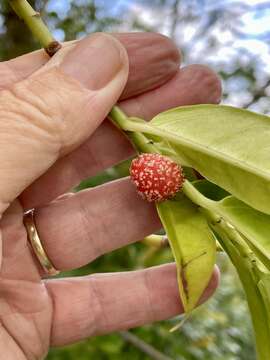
<point>56,109</point>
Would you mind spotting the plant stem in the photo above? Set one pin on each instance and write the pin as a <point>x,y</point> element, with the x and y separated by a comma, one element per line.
<point>143,346</point>
<point>196,197</point>
<point>139,141</point>
<point>156,241</point>
<point>208,206</point>
<point>34,22</point>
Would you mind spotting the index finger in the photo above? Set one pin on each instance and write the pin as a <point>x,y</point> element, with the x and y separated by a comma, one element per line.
<point>103,303</point>
<point>143,49</point>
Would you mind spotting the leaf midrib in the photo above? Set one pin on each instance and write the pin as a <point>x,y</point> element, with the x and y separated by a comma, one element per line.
<point>204,149</point>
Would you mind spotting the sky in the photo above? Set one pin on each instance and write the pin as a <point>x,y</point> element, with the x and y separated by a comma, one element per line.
<point>243,38</point>
<point>254,26</point>
<point>255,23</point>
<point>248,42</point>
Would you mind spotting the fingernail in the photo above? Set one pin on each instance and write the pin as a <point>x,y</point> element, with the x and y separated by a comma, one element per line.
<point>94,61</point>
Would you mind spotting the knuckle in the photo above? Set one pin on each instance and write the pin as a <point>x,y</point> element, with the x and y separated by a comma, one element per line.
<point>165,51</point>
<point>24,105</point>
<point>42,104</point>
<point>208,80</point>
<point>208,75</point>
<point>172,51</point>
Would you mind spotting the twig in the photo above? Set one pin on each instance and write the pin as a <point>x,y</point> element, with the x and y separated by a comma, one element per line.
<point>143,346</point>
<point>43,7</point>
<point>258,94</point>
<point>34,22</point>
<point>175,18</point>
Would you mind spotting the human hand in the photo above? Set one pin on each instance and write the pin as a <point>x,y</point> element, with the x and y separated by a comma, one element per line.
<point>52,136</point>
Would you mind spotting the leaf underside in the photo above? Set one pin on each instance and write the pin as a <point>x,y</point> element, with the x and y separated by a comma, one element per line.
<point>193,246</point>
<point>228,146</point>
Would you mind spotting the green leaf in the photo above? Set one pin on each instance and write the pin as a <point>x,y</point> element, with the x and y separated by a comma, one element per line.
<point>228,146</point>
<point>253,224</point>
<point>210,190</point>
<point>264,287</point>
<point>193,246</point>
<point>256,286</point>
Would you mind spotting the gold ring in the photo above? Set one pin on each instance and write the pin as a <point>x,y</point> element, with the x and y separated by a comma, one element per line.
<point>33,237</point>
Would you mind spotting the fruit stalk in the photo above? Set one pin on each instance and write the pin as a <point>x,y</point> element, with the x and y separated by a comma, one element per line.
<point>138,140</point>
<point>36,25</point>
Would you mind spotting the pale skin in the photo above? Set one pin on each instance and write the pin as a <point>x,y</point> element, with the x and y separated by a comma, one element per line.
<point>53,135</point>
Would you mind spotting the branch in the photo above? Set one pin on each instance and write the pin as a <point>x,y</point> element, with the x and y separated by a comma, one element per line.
<point>143,346</point>
<point>34,22</point>
<point>258,94</point>
<point>43,7</point>
<point>139,141</point>
<point>175,18</point>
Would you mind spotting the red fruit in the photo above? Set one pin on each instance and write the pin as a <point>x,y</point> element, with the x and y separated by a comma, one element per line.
<point>156,177</point>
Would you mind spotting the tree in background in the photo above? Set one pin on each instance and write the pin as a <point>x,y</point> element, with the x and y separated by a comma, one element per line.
<point>15,38</point>
<point>207,31</point>
<point>230,36</point>
<point>213,32</point>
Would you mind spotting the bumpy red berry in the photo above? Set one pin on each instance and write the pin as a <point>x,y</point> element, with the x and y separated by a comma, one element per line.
<point>156,177</point>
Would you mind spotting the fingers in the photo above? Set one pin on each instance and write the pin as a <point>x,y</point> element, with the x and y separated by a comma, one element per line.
<point>104,303</point>
<point>57,108</point>
<point>142,49</point>
<point>191,85</point>
<point>103,219</point>
<point>153,60</point>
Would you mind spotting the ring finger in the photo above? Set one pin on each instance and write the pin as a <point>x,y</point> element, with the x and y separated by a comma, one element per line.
<point>97,228</point>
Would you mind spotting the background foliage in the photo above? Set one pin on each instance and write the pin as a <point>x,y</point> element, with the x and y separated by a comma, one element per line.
<point>232,38</point>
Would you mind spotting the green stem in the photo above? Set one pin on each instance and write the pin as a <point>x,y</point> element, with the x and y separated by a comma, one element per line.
<point>157,241</point>
<point>196,197</point>
<point>34,22</point>
<point>139,141</point>
<point>208,206</point>
<point>130,125</point>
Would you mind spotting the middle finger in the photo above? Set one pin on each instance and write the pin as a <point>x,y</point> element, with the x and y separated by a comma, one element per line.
<point>194,84</point>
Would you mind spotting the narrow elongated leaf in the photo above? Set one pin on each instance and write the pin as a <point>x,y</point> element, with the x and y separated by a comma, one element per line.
<point>252,224</point>
<point>210,190</point>
<point>256,287</point>
<point>228,146</point>
<point>264,288</point>
<point>193,246</point>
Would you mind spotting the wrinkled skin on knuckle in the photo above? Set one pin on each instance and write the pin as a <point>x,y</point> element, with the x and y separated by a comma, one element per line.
<point>17,316</point>
<point>154,49</point>
<point>26,114</point>
<point>62,99</point>
<point>37,125</point>
<point>210,80</point>
<point>48,103</point>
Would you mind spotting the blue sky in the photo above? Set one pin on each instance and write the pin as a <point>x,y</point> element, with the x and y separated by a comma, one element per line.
<point>255,23</point>
<point>249,40</point>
